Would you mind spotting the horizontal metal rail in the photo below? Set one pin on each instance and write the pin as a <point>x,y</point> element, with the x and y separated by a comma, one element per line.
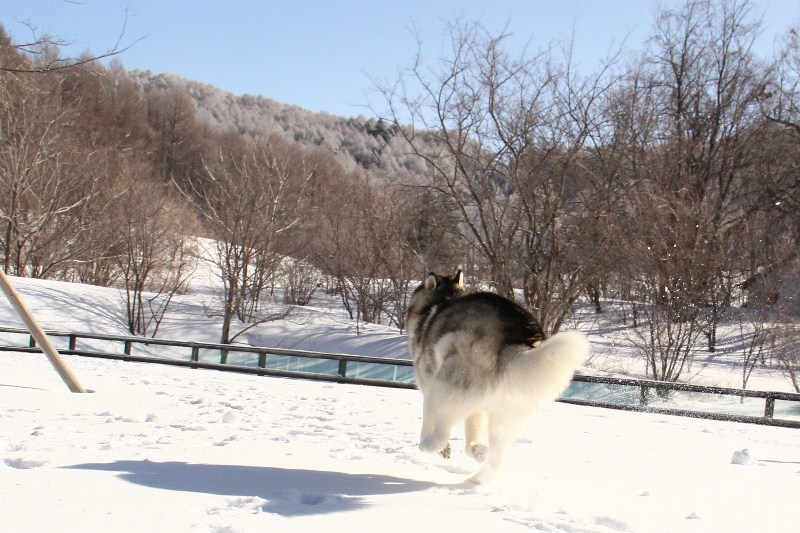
<point>214,346</point>
<point>340,374</point>
<point>225,368</point>
<point>707,415</point>
<point>686,387</point>
<point>346,362</point>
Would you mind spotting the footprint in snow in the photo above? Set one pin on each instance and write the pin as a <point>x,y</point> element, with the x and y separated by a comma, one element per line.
<point>296,503</point>
<point>182,427</point>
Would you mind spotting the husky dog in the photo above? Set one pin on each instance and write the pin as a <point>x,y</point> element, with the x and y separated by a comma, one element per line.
<point>482,359</point>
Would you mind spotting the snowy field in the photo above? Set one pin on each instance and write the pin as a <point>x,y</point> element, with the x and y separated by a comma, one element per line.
<point>157,448</point>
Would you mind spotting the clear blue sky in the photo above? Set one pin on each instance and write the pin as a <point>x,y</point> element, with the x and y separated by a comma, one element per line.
<point>321,54</point>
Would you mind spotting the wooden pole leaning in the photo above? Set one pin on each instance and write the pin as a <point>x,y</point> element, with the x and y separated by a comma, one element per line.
<point>38,334</point>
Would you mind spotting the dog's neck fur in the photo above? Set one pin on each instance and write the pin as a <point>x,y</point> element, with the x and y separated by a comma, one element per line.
<point>434,293</point>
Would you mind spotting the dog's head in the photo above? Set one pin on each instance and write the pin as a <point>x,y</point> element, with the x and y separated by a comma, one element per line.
<point>436,289</point>
<point>444,285</point>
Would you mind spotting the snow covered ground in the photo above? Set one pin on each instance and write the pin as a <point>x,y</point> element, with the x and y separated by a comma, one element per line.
<point>157,448</point>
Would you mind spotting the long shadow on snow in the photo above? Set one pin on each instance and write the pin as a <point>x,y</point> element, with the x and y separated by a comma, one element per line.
<point>288,492</point>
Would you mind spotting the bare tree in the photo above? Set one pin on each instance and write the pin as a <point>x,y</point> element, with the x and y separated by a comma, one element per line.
<point>788,352</point>
<point>409,236</point>
<point>152,231</point>
<point>668,340</point>
<point>707,83</point>
<point>299,279</point>
<point>776,216</point>
<point>454,133</point>
<point>503,137</point>
<point>47,181</point>
<point>669,270</point>
<point>688,116</point>
<point>41,53</point>
<point>249,199</point>
<point>755,341</point>
<point>178,137</point>
<point>347,248</point>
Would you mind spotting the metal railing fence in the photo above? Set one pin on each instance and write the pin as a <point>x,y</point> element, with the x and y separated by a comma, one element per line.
<point>717,403</point>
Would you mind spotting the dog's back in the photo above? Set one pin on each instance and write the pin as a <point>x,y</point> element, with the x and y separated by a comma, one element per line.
<point>463,336</point>
<point>486,313</point>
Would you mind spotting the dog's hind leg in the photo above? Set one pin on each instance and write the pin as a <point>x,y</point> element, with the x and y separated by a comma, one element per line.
<point>503,429</point>
<point>475,431</point>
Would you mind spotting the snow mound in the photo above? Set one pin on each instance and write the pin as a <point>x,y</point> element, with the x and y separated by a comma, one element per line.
<point>24,464</point>
<point>743,457</point>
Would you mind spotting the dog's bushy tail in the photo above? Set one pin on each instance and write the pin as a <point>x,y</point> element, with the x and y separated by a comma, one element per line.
<point>541,374</point>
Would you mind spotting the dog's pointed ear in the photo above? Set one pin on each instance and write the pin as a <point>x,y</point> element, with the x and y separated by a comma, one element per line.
<point>458,279</point>
<point>430,282</point>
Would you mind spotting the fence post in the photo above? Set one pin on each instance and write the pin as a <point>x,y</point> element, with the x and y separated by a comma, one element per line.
<point>769,407</point>
<point>73,339</point>
<point>195,354</point>
<point>262,359</point>
<point>127,349</point>
<point>642,395</point>
<point>343,368</point>
<point>37,333</point>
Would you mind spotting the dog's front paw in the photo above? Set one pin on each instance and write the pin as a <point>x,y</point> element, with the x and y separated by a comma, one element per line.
<point>479,452</point>
<point>431,444</point>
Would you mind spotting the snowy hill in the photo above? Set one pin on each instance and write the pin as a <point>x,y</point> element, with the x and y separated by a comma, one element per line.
<point>321,326</point>
<point>355,141</point>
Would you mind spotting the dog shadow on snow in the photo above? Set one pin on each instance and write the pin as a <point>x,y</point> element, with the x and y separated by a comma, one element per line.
<point>288,492</point>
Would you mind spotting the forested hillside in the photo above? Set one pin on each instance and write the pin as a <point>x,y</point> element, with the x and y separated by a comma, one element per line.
<point>361,141</point>
<point>667,179</point>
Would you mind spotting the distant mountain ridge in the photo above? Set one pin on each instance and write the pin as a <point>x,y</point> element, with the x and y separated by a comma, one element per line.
<point>368,143</point>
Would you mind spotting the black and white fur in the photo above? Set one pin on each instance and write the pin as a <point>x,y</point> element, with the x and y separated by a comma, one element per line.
<point>483,359</point>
